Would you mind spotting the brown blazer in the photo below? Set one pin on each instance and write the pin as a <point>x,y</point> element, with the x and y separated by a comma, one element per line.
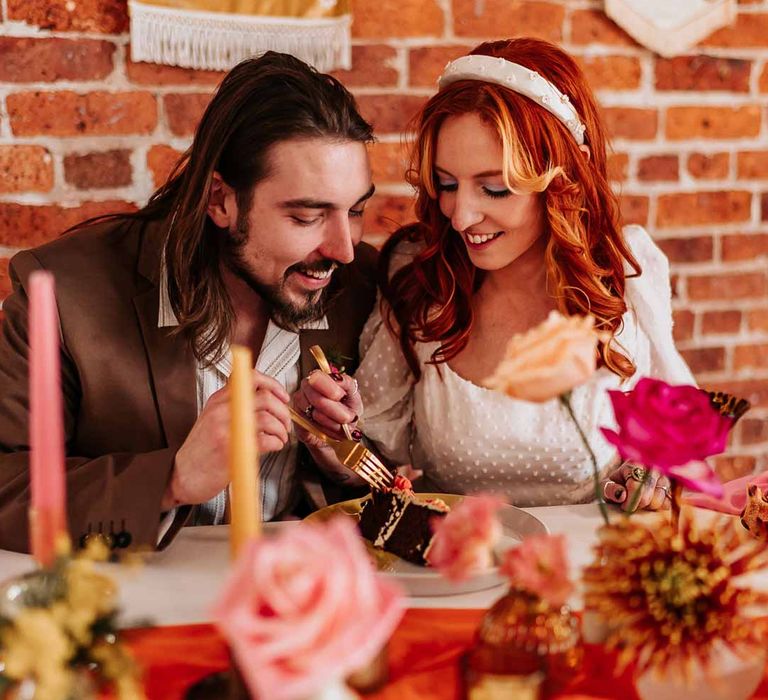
<point>129,386</point>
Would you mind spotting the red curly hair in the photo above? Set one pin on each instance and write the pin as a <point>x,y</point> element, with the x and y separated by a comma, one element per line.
<point>429,299</point>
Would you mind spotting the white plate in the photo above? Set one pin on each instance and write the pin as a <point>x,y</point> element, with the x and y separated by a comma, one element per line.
<point>423,581</point>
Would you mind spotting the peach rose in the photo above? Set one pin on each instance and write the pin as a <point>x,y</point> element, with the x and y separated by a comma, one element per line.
<point>548,360</point>
<point>304,608</point>
<point>539,565</point>
<point>464,539</point>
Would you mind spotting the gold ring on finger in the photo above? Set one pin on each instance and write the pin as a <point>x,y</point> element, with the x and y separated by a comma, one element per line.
<point>638,473</point>
<point>665,489</point>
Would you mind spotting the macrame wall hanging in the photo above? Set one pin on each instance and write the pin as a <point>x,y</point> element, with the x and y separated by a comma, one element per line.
<point>218,34</point>
<point>670,27</point>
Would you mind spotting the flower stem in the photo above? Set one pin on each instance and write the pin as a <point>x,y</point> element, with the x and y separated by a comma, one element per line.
<point>638,492</point>
<point>676,491</point>
<point>565,399</point>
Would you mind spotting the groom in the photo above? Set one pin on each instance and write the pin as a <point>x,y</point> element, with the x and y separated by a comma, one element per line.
<point>254,240</point>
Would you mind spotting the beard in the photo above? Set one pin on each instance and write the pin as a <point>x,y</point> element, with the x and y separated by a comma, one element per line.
<point>286,312</point>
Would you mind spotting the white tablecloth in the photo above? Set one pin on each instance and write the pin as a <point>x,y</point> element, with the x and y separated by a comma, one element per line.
<point>180,584</point>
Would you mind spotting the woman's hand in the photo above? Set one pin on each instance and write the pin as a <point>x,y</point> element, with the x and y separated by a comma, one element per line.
<point>329,401</point>
<point>626,479</point>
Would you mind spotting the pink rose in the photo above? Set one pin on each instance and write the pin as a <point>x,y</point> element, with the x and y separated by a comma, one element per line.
<point>305,607</point>
<point>539,566</point>
<point>663,426</point>
<point>464,539</point>
<point>548,360</point>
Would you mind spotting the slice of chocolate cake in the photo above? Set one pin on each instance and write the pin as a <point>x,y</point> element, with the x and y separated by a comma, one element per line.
<point>398,521</point>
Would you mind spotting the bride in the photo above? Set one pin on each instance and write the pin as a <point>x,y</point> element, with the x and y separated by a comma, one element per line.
<point>515,218</point>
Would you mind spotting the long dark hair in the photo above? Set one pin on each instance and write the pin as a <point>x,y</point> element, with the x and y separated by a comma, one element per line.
<point>431,298</point>
<point>261,102</point>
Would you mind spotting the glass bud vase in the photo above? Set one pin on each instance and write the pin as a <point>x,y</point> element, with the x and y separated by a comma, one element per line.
<point>524,647</point>
<point>727,676</point>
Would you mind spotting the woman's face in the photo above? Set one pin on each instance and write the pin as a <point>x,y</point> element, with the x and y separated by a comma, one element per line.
<point>496,225</point>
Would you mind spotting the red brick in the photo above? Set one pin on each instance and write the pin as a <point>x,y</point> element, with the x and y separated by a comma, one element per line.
<point>102,16</point>
<point>184,111</point>
<point>763,84</point>
<point>757,320</point>
<point>752,165</point>
<point>386,213</point>
<point>709,166</point>
<point>753,430</point>
<point>712,122</point>
<point>734,466</point>
<point>720,322</point>
<point>750,356</point>
<point>703,360</point>
<point>749,30</point>
<point>27,60</point>
<point>71,114</point>
<point>426,63</point>
<point>631,122</point>
<point>744,285</point>
<point>25,226</point>
<point>381,20</point>
<point>764,206</point>
<point>390,114</point>
<point>612,72</point>
<point>618,166</point>
<point>99,169</point>
<point>745,246</point>
<point>655,168</point>
<point>593,27</point>
<point>682,327</point>
<point>25,169</point>
<point>634,209</point>
<point>371,65</point>
<point>687,250</point>
<point>698,73</point>
<point>504,19</point>
<point>160,160</point>
<point>5,280</point>
<point>691,208</point>
<point>389,162</point>
<point>157,74</point>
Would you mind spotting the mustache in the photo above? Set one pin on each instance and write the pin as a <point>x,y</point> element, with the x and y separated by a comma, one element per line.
<point>319,266</point>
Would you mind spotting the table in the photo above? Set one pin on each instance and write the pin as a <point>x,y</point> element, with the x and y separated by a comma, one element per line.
<point>179,585</point>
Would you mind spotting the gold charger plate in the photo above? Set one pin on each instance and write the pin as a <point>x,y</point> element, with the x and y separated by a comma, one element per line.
<point>423,581</point>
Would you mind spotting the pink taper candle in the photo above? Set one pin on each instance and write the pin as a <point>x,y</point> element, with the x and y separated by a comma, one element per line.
<point>47,515</point>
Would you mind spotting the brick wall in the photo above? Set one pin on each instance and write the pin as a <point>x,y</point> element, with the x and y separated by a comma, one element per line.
<point>83,130</point>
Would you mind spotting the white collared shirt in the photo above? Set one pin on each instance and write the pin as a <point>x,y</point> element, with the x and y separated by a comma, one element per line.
<point>279,358</point>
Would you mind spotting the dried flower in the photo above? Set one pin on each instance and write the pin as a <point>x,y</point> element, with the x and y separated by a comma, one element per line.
<point>671,595</point>
<point>539,566</point>
<point>464,539</point>
<point>65,624</point>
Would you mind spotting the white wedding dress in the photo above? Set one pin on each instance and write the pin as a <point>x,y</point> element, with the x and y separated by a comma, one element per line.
<point>468,439</point>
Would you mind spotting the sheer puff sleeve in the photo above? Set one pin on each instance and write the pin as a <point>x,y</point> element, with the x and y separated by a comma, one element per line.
<point>385,380</point>
<point>650,296</point>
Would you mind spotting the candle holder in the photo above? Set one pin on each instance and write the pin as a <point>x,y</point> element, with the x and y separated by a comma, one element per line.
<point>525,647</point>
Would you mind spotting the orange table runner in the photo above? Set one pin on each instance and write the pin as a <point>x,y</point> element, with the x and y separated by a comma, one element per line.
<point>423,657</point>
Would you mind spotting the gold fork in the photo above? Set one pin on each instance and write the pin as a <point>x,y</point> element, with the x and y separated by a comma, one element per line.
<point>325,368</point>
<point>353,455</point>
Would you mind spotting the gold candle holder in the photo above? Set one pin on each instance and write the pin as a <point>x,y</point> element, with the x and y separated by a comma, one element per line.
<point>524,647</point>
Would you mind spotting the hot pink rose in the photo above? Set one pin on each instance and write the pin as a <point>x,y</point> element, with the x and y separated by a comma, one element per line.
<point>663,426</point>
<point>305,607</point>
<point>464,539</point>
<point>539,566</point>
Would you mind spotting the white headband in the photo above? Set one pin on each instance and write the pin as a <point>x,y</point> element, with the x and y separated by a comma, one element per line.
<point>492,69</point>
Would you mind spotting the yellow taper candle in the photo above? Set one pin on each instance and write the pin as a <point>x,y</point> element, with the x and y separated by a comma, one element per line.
<point>245,497</point>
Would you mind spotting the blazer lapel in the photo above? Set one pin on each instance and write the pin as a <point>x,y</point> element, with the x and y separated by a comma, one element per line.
<point>171,362</point>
